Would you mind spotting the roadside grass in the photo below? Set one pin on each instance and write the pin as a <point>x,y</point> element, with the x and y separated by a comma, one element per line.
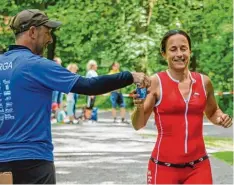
<point>58,124</point>
<point>226,156</point>
<point>225,145</point>
<point>147,135</point>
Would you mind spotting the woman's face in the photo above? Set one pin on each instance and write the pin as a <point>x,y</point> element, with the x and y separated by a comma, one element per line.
<point>177,52</point>
<point>95,67</point>
<point>115,67</point>
<point>74,70</point>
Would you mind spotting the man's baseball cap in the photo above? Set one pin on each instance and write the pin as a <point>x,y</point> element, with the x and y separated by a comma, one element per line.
<point>31,17</point>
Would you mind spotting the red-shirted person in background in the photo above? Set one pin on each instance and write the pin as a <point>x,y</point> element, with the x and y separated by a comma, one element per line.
<point>179,98</point>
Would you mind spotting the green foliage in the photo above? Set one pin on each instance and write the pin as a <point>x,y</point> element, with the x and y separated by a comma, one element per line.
<point>130,32</point>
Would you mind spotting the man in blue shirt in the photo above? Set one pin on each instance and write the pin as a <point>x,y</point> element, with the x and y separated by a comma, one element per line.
<point>26,77</point>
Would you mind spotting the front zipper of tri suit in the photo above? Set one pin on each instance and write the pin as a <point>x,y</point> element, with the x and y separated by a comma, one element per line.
<point>186,118</point>
<point>186,127</point>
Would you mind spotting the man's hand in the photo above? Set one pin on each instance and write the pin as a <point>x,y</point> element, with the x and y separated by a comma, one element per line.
<point>224,120</point>
<point>141,79</point>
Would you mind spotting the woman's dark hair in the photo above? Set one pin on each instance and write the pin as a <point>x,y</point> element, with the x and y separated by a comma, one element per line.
<point>170,33</point>
<point>113,63</point>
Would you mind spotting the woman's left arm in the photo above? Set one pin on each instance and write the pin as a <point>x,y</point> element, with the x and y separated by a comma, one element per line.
<point>212,110</point>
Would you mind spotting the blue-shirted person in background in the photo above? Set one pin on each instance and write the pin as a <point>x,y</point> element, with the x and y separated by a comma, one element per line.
<point>26,147</point>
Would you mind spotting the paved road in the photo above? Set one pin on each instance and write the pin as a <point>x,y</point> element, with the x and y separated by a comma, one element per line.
<point>107,153</point>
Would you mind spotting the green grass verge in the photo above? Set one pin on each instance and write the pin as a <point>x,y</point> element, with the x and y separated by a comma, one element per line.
<point>226,156</point>
<point>222,144</point>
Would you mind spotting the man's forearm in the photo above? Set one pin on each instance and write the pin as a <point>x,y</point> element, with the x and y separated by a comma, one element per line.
<point>102,84</point>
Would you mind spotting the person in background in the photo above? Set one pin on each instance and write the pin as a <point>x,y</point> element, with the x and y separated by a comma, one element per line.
<point>179,98</point>
<point>116,97</point>
<point>61,114</point>
<point>70,97</point>
<point>76,96</point>
<point>91,72</point>
<point>56,97</point>
<point>60,95</point>
<point>26,147</point>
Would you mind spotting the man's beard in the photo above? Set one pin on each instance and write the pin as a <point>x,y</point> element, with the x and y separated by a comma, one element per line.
<point>39,50</point>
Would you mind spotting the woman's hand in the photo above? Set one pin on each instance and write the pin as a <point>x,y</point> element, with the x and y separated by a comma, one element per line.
<point>224,120</point>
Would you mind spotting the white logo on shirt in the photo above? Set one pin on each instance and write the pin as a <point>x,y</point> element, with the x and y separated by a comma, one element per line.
<point>5,66</point>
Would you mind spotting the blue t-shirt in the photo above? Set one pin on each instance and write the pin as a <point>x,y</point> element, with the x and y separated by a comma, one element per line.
<point>26,84</point>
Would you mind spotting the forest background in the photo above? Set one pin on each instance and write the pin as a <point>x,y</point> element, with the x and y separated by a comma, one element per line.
<point>129,31</point>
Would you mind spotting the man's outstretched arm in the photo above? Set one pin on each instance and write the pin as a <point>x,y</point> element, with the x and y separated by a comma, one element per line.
<point>106,83</point>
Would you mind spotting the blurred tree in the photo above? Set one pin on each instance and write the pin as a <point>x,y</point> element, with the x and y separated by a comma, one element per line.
<point>130,32</point>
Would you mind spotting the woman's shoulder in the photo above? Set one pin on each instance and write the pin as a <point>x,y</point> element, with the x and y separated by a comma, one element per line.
<point>205,78</point>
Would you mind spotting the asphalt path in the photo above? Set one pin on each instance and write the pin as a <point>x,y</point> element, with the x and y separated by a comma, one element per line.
<point>110,153</point>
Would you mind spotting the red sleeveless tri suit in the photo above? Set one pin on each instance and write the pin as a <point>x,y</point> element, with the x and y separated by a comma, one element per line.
<point>179,123</point>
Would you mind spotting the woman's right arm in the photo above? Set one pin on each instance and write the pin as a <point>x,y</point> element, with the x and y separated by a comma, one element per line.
<point>144,108</point>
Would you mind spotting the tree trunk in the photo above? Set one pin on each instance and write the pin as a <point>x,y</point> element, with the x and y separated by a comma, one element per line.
<point>141,29</point>
<point>193,63</point>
